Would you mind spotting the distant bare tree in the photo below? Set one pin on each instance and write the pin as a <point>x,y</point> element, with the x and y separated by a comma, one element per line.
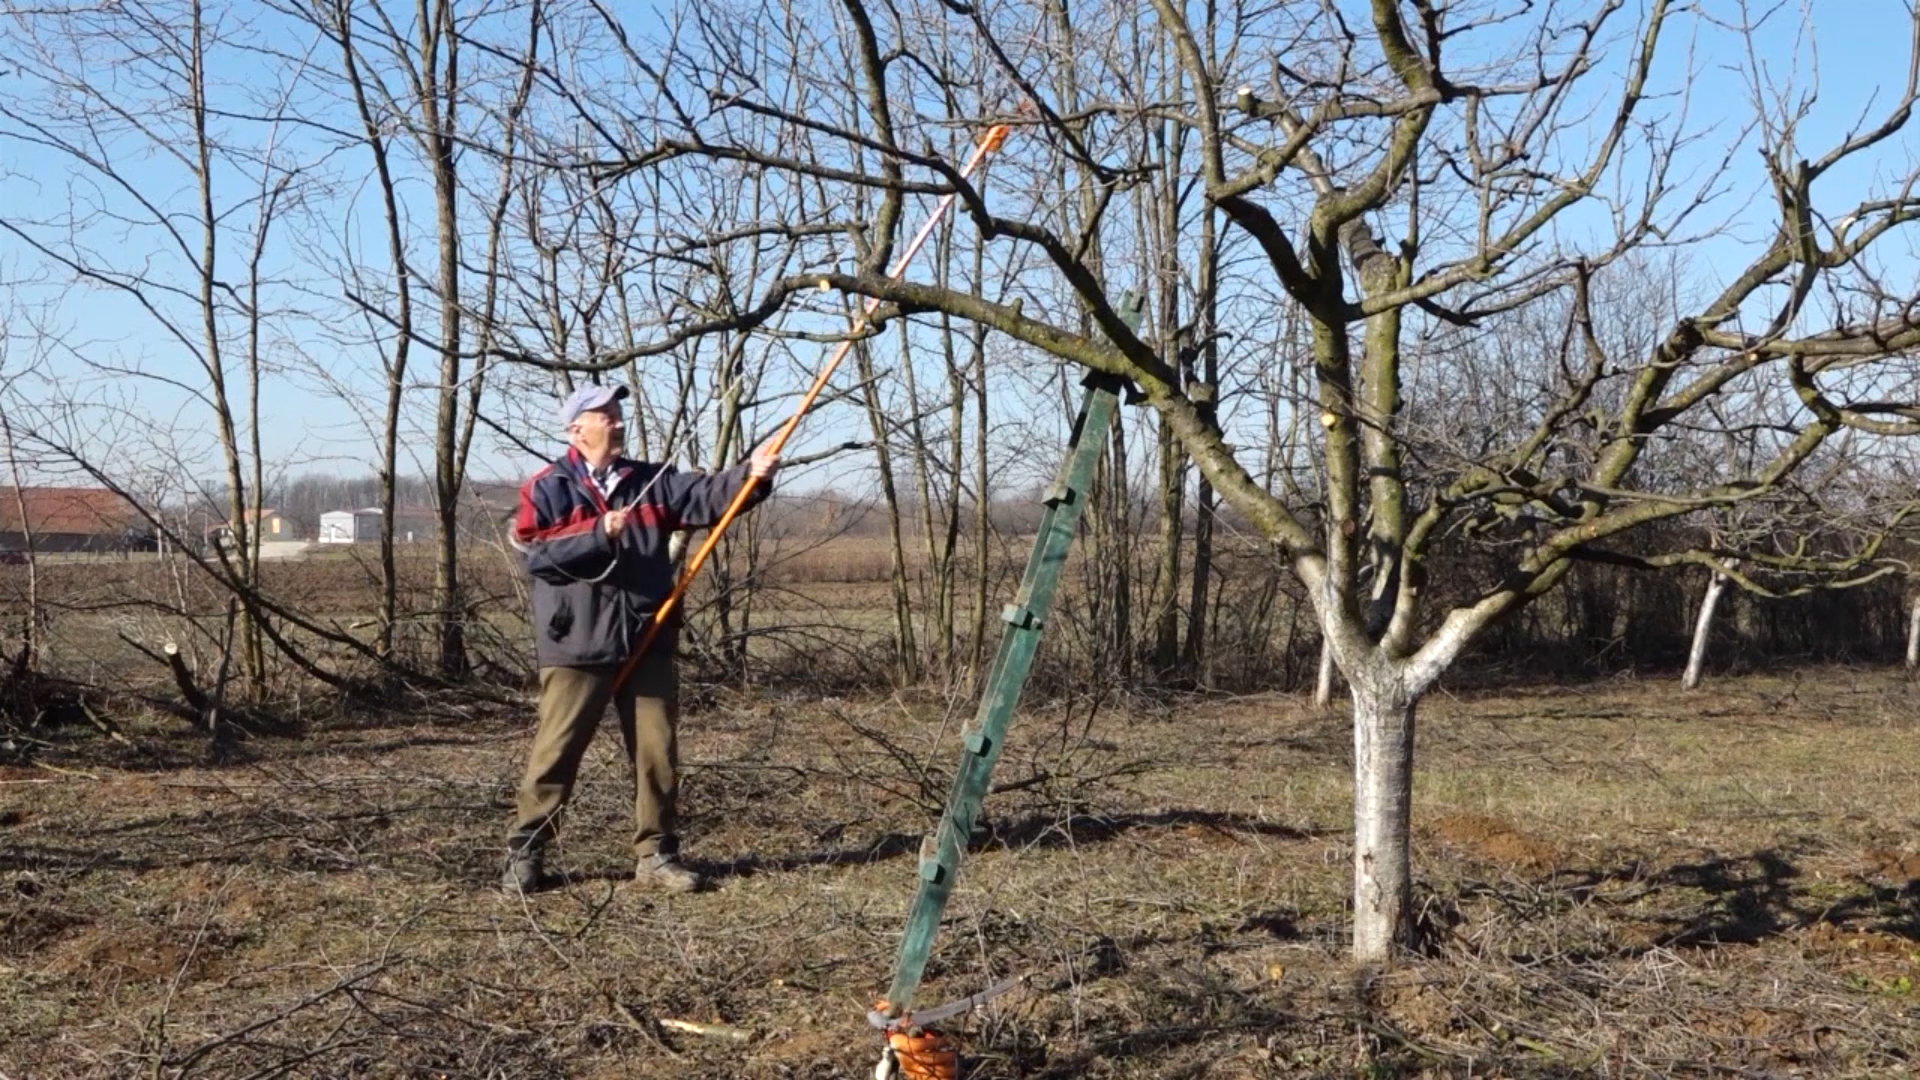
<point>114,140</point>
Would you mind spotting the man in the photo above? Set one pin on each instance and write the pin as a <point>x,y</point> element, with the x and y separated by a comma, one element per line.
<point>594,528</point>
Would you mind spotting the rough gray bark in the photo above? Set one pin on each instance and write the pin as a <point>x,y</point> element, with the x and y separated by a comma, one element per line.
<point>1382,806</point>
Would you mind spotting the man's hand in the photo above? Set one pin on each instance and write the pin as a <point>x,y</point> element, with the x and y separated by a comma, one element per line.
<point>763,464</point>
<point>613,521</point>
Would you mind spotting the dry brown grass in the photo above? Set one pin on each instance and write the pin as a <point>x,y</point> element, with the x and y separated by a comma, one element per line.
<point>1615,881</point>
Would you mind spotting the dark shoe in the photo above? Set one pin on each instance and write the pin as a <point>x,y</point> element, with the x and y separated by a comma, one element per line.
<point>526,872</point>
<point>666,873</point>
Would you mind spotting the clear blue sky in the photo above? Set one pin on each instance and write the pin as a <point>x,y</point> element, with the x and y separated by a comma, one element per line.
<point>1859,51</point>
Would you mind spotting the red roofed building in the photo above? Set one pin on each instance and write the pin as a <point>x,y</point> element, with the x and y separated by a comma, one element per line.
<point>69,519</point>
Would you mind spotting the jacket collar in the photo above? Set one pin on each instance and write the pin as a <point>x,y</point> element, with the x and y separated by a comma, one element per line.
<point>575,466</point>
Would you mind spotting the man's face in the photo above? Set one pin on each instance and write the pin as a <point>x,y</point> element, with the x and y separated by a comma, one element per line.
<point>599,433</point>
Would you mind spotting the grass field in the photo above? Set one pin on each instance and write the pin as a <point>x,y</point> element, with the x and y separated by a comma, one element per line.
<point>1615,880</point>
<point>815,604</point>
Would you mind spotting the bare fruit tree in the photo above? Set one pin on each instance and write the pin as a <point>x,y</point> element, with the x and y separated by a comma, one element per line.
<point>1420,179</point>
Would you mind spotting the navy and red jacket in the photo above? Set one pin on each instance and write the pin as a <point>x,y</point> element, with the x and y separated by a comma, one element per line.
<point>592,593</point>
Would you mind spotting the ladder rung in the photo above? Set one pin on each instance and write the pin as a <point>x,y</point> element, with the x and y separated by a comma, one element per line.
<point>931,868</point>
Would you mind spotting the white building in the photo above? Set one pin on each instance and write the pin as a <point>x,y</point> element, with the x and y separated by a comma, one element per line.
<point>350,526</point>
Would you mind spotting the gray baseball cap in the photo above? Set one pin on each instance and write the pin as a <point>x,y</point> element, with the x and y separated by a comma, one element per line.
<point>588,397</point>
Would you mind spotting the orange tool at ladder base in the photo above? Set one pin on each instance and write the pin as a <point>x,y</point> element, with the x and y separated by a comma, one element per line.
<point>994,137</point>
<point>914,1051</point>
<point>924,1056</point>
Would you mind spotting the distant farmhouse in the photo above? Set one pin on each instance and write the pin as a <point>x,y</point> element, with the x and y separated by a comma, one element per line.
<point>412,525</point>
<point>272,526</point>
<point>66,520</point>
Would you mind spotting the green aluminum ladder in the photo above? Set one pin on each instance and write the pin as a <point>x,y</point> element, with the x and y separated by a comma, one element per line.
<point>1026,617</point>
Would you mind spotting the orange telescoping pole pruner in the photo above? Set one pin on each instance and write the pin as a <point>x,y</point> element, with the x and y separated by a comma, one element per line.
<point>994,137</point>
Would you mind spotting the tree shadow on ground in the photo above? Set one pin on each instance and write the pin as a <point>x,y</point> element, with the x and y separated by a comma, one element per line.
<point>1034,831</point>
<point>1743,899</point>
<point>267,835</point>
<point>1754,897</point>
<point>304,839</point>
<point>1186,1019</point>
<point>1180,1022</point>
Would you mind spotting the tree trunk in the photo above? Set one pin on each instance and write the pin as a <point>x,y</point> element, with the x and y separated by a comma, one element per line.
<point>942,622</point>
<point>1119,510</point>
<point>1323,685</point>
<point>1194,653</point>
<point>30,626</point>
<point>1697,655</point>
<point>906,654</point>
<point>440,101</point>
<point>254,641</point>
<point>982,515</point>
<point>1205,393</point>
<point>948,580</point>
<point>1173,477</point>
<point>1382,822</point>
<point>1110,549</point>
<point>934,597</point>
<point>213,355</point>
<point>1163,219</point>
<point>731,376</point>
<point>1166,639</point>
<point>1913,635</point>
<point>396,364</point>
<point>496,223</point>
